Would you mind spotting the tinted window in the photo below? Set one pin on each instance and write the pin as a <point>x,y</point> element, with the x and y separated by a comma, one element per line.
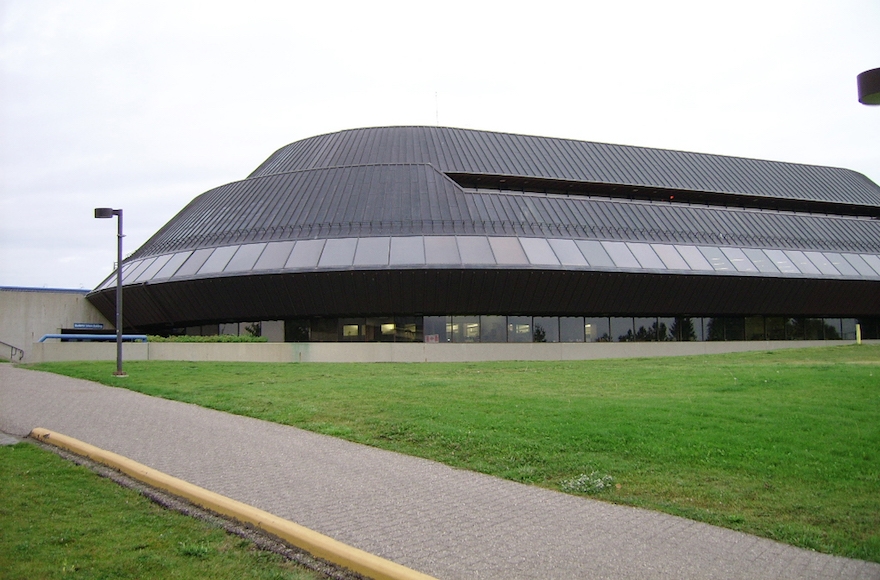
<point>337,253</point>
<point>372,252</point>
<point>408,250</point>
<point>567,252</point>
<point>595,254</point>
<point>274,256</point>
<point>305,254</point>
<point>621,255</point>
<point>245,258</point>
<point>539,252</point>
<point>508,251</point>
<point>670,257</point>
<point>218,260</point>
<point>646,256</point>
<point>475,250</point>
<point>441,250</point>
<point>173,264</point>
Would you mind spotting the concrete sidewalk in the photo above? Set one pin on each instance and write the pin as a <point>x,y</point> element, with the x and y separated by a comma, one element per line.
<point>449,523</point>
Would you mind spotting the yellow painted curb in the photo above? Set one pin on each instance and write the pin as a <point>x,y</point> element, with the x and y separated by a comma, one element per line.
<point>314,543</point>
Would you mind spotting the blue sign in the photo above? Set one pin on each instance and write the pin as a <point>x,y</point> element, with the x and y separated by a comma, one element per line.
<point>88,325</point>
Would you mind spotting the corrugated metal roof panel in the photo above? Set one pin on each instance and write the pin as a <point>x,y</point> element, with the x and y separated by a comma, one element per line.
<point>481,152</point>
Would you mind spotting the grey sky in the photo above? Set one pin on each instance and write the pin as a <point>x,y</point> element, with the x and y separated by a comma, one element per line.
<point>145,104</point>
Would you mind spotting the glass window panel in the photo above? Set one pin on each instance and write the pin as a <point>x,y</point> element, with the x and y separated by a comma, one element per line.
<point>832,329</point>
<point>274,256</point>
<point>435,329</point>
<point>305,254</point>
<point>324,330</point>
<point>571,329</point>
<point>372,252</point>
<point>508,251</point>
<point>735,328</point>
<point>822,263</point>
<point>761,261</point>
<point>848,328</point>
<point>493,329</point>
<point>245,258</point>
<point>873,261</point>
<point>538,252</point>
<point>408,250</point>
<point>717,258</point>
<point>595,254</point>
<point>842,265</point>
<point>622,329</point>
<point>131,274</point>
<point>598,329</point>
<point>775,327</point>
<point>567,252</point>
<point>338,253</point>
<point>781,261</point>
<point>685,329</point>
<point>859,264</point>
<point>546,329</point>
<point>646,256</point>
<point>441,250</point>
<point>172,265</point>
<point>621,255</point>
<point>694,258</point>
<point>666,329</point>
<point>739,260</point>
<point>296,330</point>
<point>151,271</point>
<point>218,260</point>
<point>670,257</point>
<point>379,330</point>
<point>195,261</point>
<point>519,329</point>
<point>351,329</point>
<point>408,329</point>
<point>754,328</point>
<point>801,261</point>
<point>645,330</point>
<point>814,329</point>
<point>465,329</point>
<point>475,250</point>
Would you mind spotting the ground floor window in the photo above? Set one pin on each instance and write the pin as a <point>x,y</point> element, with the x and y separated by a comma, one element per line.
<point>520,328</point>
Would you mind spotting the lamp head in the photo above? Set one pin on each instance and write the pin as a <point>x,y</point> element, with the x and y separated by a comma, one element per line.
<point>869,87</point>
<point>104,212</point>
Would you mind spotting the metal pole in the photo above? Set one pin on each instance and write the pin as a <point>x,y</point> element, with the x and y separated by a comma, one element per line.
<point>119,371</point>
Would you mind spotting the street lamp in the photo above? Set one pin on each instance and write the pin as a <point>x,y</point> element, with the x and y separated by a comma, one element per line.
<point>869,87</point>
<point>106,212</point>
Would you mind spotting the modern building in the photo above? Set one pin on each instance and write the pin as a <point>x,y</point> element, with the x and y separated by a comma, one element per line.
<point>448,235</point>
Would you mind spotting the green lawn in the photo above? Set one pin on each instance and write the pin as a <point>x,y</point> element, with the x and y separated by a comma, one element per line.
<point>782,444</point>
<point>58,519</point>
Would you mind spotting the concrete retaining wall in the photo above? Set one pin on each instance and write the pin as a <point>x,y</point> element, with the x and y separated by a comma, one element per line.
<point>395,352</point>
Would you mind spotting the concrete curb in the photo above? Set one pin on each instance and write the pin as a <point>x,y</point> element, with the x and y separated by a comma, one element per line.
<point>316,544</point>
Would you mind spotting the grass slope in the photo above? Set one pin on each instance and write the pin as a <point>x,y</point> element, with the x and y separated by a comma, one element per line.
<point>58,519</point>
<point>782,444</point>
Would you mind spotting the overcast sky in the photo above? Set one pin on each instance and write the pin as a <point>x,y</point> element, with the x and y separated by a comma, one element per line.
<point>143,105</point>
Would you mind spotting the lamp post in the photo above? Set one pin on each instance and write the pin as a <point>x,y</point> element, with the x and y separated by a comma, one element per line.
<point>106,212</point>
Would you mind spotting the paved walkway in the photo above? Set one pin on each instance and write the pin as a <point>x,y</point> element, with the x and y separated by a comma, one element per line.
<point>449,523</point>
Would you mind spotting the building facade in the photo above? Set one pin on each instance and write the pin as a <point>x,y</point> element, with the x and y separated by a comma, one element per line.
<point>448,235</point>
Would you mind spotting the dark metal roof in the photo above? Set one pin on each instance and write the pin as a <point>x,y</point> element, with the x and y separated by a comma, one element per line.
<point>416,199</point>
<point>461,151</point>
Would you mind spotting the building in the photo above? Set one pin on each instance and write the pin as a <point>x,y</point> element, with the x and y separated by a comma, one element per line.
<point>448,235</point>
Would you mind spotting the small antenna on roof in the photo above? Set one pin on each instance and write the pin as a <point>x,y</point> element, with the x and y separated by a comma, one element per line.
<point>436,110</point>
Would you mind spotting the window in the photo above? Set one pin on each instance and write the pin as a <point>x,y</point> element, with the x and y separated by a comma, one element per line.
<point>519,329</point>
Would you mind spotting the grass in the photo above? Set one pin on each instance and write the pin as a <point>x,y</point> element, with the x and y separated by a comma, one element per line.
<point>59,519</point>
<point>783,444</point>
